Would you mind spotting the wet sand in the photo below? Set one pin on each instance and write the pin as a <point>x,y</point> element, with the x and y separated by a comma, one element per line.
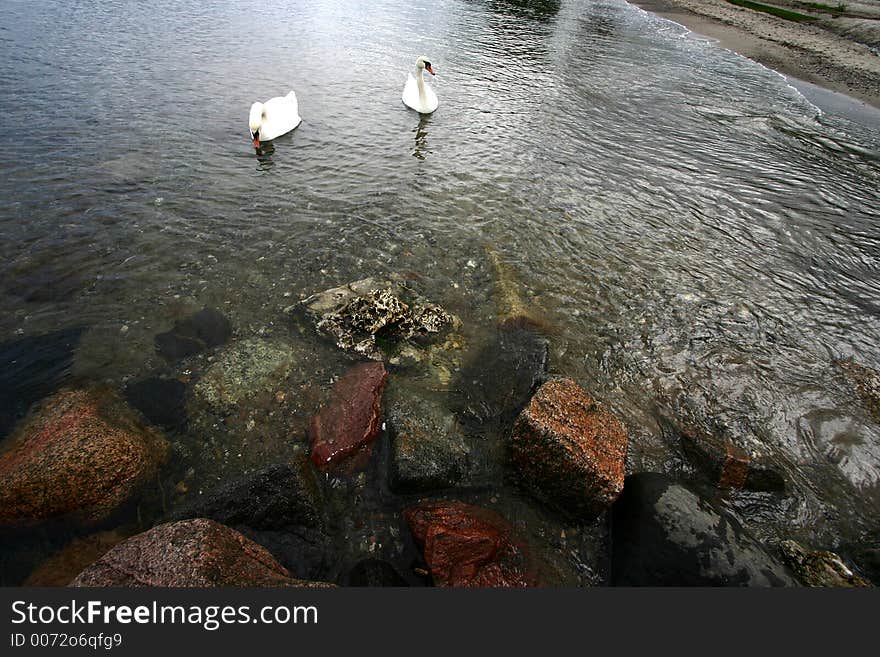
<point>830,52</point>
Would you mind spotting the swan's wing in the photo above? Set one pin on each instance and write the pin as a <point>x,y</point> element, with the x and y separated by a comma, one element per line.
<point>281,116</point>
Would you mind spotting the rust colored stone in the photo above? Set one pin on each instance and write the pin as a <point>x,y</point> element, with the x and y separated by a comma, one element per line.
<point>569,449</point>
<point>466,545</point>
<point>735,469</point>
<point>189,553</point>
<point>351,421</point>
<point>79,457</point>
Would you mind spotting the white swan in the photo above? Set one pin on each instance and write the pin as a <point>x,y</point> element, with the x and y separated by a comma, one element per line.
<point>276,117</point>
<point>417,94</point>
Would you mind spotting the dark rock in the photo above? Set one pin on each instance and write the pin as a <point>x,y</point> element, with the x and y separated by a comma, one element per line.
<point>203,330</point>
<point>466,545</point>
<point>570,450</point>
<point>374,572</point>
<point>428,449</point>
<point>664,535</point>
<point>308,553</point>
<point>190,553</point>
<point>351,420</point>
<point>728,465</point>
<point>277,497</point>
<point>79,457</point>
<point>32,368</point>
<point>819,568</point>
<point>499,381</point>
<point>61,568</point>
<point>161,401</point>
<point>354,315</point>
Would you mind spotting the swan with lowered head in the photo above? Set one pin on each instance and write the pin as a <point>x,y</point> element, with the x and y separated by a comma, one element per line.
<point>417,94</point>
<point>276,117</point>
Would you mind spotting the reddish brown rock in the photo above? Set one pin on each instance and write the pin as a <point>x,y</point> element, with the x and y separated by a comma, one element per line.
<point>63,566</point>
<point>190,553</point>
<point>351,421</point>
<point>569,449</point>
<point>466,545</point>
<point>727,464</point>
<point>78,457</point>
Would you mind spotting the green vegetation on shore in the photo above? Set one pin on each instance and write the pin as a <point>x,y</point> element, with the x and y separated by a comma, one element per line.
<point>776,11</point>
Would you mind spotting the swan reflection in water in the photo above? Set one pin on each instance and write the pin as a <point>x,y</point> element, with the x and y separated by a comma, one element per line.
<point>264,155</point>
<point>421,149</point>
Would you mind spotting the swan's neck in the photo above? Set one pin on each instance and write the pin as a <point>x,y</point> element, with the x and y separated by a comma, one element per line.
<point>420,84</point>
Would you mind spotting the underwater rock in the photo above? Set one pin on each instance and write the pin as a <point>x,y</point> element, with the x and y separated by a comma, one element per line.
<point>32,368</point>
<point>569,449</point>
<point>191,335</point>
<point>63,566</point>
<point>819,568</point>
<point>354,315</point>
<point>190,553</point>
<point>665,535</point>
<point>730,466</point>
<point>428,449</point>
<point>161,401</point>
<point>78,457</point>
<point>350,421</point>
<point>867,383</point>
<point>499,381</point>
<point>466,545</point>
<point>244,369</point>
<point>277,497</point>
<point>374,572</point>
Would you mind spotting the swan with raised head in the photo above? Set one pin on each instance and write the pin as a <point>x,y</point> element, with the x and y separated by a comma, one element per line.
<point>276,117</point>
<point>417,94</point>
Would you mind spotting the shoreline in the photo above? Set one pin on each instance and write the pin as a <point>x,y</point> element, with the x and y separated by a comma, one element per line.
<point>805,52</point>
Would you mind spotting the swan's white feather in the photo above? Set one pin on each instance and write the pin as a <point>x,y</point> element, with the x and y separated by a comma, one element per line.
<point>411,98</point>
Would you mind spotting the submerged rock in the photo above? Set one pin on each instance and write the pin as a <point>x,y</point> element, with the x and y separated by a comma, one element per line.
<point>728,465</point>
<point>32,368</point>
<point>569,449</point>
<point>79,457</point>
<point>190,553</point>
<point>354,315</point>
<point>351,420</point>
<point>277,497</point>
<point>244,370</point>
<point>62,567</point>
<point>867,383</point>
<point>466,545</point>
<point>500,379</point>
<point>202,330</point>
<point>428,449</point>
<point>664,535</point>
<point>819,568</point>
<point>374,572</point>
<point>161,401</point>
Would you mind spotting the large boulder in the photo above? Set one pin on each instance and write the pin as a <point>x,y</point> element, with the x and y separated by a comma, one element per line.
<point>569,449</point>
<point>191,335</point>
<point>79,457</point>
<point>190,553</point>
<point>350,422</point>
<point>353,315</point>
<point>428,449</point>
<point>466,545</point>
<point>665,535</point>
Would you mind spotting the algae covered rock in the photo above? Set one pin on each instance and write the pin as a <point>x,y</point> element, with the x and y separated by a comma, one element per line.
<point>819,568</point>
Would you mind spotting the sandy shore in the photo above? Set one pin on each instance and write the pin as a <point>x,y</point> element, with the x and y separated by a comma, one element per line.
<point>832,52</point>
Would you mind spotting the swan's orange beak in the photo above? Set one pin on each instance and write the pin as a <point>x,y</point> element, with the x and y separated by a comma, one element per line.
<point>429,69</point>
<point>256,136</point>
